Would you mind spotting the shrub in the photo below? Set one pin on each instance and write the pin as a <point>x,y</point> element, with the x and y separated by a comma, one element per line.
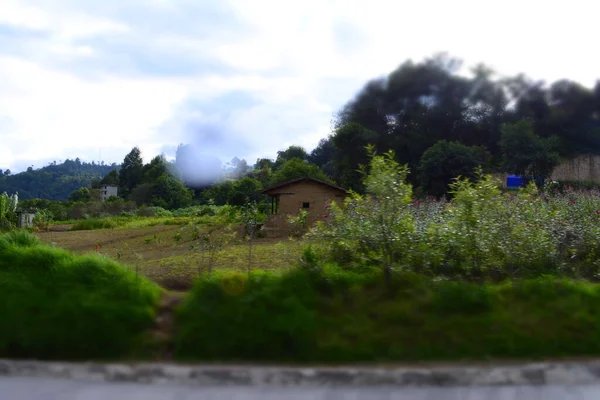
<point>94,223</point>
<point>54,305</point>
<point>336,315</point>
<point>273,318</point>
<point>481,233</point>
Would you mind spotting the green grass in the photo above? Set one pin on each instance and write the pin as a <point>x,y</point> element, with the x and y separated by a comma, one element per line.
<point>127,222</point>
<point>178,272</point>
<point>341,316</point>
<point>54,305</point>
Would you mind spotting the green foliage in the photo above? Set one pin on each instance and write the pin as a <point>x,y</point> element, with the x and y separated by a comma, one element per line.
<point>290,153</point>
<point>151,216</point>
<point>131,171</point>
<point>81,194</point>
<point>58,209</point>
<point>93,223</point>
<point>525,153</point>
<point>298,223</point>
<point>481,233</point>
<point>43,219</point>
<point>234,192</point>
<point>349,143</point>
<point>54,181</point>
<point>336,315</point>
<point>170,193</point>
<point>296,168</point>
<point>110,179</point>
<point>54,305</point>
<point>272,317</point>
<point>153,184</point>
<point>378,226</point>
<point>8,208</point>
<point>444,161</point>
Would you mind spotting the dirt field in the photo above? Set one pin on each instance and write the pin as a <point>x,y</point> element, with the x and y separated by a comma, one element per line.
<point>173,255</point>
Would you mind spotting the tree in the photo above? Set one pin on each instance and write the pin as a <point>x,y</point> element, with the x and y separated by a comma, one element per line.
<point>111,179</point>
<point>54,181</point>
<point>376,228</point>
<point>525,153</point>
<point>250,188</point>
<point>444,161</point>
<point>157,167</point>
<point>263,169</point>
<point>349,142</point>
<point>295,169</point>
<point>236,168</point>
<point>82,194</point>
<point>7,172</point>
<point>171,193</point>
<point>131,171</point>
<point>289,153</point>
<point>322,155</point>
<point>234,192</point>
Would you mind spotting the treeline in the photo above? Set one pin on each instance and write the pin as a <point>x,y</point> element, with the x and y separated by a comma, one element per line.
<point>190,179</point>
<point>440,123</point>
<point>55,181</point>
<point>430,115</point>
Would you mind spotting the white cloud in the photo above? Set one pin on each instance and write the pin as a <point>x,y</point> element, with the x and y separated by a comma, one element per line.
<point>55,111</point>
<point>81,74</point>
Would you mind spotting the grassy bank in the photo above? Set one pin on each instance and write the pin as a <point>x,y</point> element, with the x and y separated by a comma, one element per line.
<point>54,305</point>
<point>341,316</point>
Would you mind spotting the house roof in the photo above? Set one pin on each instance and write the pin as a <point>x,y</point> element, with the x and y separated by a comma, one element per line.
<point>294,181</point>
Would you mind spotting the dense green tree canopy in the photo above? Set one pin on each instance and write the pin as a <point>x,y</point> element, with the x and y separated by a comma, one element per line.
<point>444,161</point>
<point>525,153</point>
<point>131,171</point>
<point>55,181</point>
<point>296,168</point>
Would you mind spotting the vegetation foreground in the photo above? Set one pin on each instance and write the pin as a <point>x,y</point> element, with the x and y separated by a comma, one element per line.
<point>54,305</point>
<point>386,278</point>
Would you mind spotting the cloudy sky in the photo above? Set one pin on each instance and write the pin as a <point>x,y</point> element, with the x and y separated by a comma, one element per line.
<point>93,78</point>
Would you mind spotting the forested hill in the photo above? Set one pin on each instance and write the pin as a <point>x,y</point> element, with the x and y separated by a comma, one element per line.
<point>54,181</point>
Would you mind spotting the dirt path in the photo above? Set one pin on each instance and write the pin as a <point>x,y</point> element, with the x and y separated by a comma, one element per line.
<point>164,328</point>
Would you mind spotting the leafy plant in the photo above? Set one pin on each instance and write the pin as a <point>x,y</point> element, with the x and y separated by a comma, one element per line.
<point>8,208</point>
<point>298,223</point>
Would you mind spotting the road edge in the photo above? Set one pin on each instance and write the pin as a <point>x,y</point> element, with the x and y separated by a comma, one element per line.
<point>540,373</point>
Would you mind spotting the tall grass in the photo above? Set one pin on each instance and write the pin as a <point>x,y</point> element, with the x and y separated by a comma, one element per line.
<point>54,305</point>
<point>338,315</point>
<point>216,215</point>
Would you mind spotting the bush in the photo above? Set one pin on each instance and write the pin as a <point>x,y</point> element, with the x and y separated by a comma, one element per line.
<point>94,223</point>
<point>338,315</point>
<point>273,317</point>
<point>480,234</point>
<point>150,211</point>
<point>54,305</point>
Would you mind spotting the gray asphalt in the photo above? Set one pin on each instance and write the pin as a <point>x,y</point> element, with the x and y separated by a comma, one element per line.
<point>19,388</point>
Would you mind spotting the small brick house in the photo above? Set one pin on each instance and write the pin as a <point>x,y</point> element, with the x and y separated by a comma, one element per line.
<point>308,194</point>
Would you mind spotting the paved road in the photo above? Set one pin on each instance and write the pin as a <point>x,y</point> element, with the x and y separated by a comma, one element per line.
<point>20,388</point>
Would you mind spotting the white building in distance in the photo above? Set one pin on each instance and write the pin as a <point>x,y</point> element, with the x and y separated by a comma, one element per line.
<point>106,191</point>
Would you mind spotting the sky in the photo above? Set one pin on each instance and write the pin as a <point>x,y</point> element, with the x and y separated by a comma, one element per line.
<point>92,79</point>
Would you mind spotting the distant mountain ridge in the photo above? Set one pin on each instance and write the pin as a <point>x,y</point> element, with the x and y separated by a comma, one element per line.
<point>54,181</point>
